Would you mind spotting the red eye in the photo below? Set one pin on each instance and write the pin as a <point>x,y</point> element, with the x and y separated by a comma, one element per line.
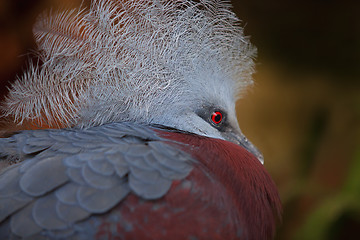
<point>216,117</point>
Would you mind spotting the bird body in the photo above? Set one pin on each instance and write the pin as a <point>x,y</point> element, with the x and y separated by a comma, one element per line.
<point>148,147</point>
<point>138,182</point>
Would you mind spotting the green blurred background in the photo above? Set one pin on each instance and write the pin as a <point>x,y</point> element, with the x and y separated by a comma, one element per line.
<point>303,111</point>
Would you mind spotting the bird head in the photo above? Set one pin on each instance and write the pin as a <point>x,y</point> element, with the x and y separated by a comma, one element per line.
<point>180,64</point>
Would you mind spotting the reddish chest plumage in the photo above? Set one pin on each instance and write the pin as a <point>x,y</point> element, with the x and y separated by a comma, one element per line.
<point>227,195</point>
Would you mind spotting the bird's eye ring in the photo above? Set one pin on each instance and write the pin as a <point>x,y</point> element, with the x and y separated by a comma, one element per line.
<point>216,117</point>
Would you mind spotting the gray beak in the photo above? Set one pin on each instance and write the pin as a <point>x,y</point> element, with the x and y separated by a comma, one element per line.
<point>240,139</point>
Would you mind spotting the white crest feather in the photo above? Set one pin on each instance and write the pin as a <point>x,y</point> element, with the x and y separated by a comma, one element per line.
<point>130,60</point>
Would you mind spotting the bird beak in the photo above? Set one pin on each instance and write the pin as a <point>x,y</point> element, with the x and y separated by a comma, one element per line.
<point>240,139</point>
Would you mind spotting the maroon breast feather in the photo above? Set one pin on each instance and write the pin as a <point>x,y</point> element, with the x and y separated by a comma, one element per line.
<point>227,195</point>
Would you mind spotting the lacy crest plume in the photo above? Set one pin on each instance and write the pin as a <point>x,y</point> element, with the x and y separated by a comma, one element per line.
<point>127,60</point>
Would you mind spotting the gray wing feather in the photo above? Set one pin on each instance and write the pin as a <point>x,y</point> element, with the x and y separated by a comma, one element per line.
<point>97,180</point>
<point>9,183</point>
<point>138,162</point>
<point>149,190</point>
<point>101,200</point>
<point>22,222</point>
<point>45,215</point>
<point>44,176</point>
<point>76,176</point>
<point>11,196</point>
<point>67,175</point>
<point>25,165</point>
<point>101,167</point>
<point>67,193</point>
<point>71,213</point>
<point>10,205</point>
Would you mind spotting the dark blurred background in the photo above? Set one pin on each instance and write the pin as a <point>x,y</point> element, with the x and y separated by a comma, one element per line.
<point>303,111</point>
